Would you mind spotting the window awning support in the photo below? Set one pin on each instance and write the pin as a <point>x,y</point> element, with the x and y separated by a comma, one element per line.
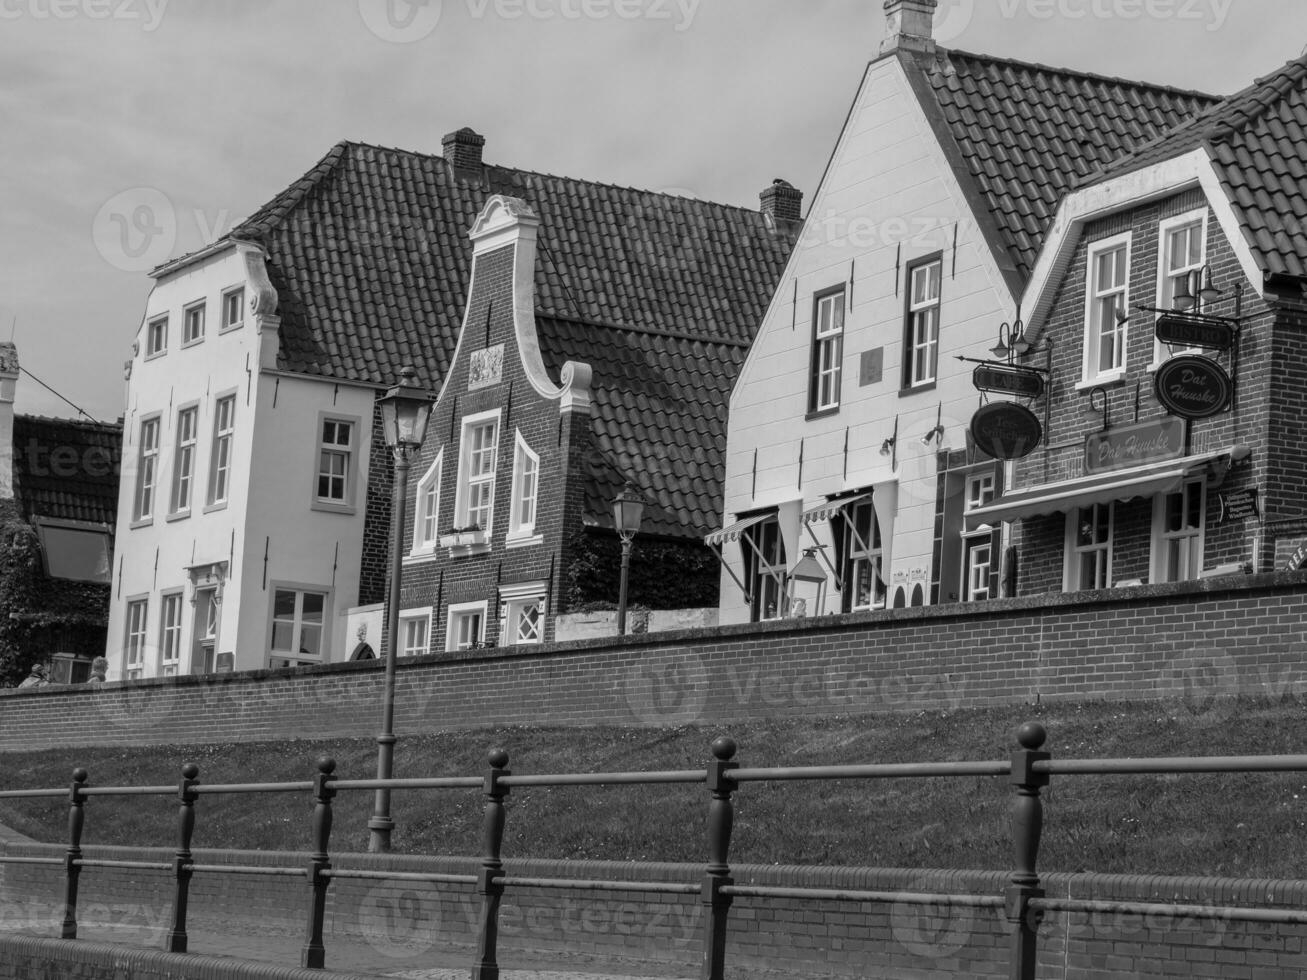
<point>744,589</point>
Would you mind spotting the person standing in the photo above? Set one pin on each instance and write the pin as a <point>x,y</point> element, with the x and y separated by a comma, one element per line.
<point>37,678</point>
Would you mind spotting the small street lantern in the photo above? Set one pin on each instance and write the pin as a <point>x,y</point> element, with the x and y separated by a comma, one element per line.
<point>405,411</point>
<point>628,511</point>
<point>809,570</point>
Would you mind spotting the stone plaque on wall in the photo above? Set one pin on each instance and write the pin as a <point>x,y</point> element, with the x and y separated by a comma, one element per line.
<point>486,367</point>
<point>871,367</point>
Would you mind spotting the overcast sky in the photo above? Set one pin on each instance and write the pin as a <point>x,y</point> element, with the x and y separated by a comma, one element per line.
<point>138,129</point>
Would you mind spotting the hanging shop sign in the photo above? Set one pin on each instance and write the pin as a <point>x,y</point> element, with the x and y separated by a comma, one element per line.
<point>1297,559</point>
<point>1188,331</point>
<point>1007,380</point>
<point>1238,505</point>
<point>1006,430</point>
<point>1134,445</point>
<point>1193,387</point>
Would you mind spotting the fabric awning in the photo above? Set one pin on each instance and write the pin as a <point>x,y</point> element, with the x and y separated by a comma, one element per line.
<point>1101,488</point>
<point>732,532</point>
<point>827,509</point>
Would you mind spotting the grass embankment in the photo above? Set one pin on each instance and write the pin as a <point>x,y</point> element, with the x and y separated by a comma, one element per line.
<point>1236,825</point>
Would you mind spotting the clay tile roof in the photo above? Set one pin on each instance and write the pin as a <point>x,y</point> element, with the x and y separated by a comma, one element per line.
<point>1257,141</point>
<point>1027,133</point>
<point>67,469</point>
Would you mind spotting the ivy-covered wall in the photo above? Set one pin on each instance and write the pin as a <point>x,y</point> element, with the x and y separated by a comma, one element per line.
<point>40,615</point>
<point>665,574</point>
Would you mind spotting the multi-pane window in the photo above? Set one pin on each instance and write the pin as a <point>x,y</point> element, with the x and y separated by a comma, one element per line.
<point>147,469</point>
<point>764,552</point>
<point>415,635</point>
<point>978,547</point>
<point>156,336</point>
<point>233,308</point>
<point>334,455</point>
<point>525,621</point>
<point>862,575</point>
<point>193,324</point>
<point>526,478</point>
<point>426,518</point>
<point>224,422</point>
<point>1105,333</point>
<point>297,621</point>
<point>1091,547</point>
<point>480,450</point>
<point>827,352</point>
<point>467,627</point>
<point>183,466</point>
<point>170,634</point>
<point>921,343</point>
<point>1182,255</point>
<point>1179,537</point>
<point>134,640</point>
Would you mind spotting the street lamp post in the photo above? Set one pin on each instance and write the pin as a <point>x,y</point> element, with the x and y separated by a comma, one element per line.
<point>628,509</point>
<point>405,411</point>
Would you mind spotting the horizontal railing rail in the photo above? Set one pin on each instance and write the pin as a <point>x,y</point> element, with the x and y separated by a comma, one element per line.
<point>1023,901</point>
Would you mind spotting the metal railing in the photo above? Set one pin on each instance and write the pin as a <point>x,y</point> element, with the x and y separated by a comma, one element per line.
<point>1023,902</point>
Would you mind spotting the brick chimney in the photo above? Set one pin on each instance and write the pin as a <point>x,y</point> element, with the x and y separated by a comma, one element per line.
<point>782,201</point>
<point>908,25</point>
<point>463,153</point>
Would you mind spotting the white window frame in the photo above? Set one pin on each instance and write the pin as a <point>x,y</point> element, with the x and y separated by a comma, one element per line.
<point>156,327</point>
<point>170,632</point>
<point>409,618</point>
<point>1092,370</point>
<point>922,348</point>
<point>766,574</point>
<point>854,553</point>
<point>462,515</point>
<point>979,488</point>
<point>457,614</point>
<point>236,293</point>
<point>426,508</point>
<point>147,469</point>
<point>1196,538</point>
<point>1073,549</point>
<point>349,454</point>
<point>516,608</point>
<point>526,469</point>
<point>827,372</point>
<point>220,467</point>
<point>298,623</point>
<point>1164,289</point>
<point>136,634</point>
<point>183,461</point>
<point>189,318</point>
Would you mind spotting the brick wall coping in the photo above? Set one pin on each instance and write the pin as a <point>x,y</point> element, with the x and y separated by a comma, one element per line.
<point>40,954</point>
<point>1187,889</point>
<point>1197,591</point>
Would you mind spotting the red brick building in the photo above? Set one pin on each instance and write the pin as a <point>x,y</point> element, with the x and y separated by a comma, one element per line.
<point>1130,486</point>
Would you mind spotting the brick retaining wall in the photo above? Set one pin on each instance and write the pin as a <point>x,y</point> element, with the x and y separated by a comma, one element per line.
<point>1241,635</point>
<point>807,938</point>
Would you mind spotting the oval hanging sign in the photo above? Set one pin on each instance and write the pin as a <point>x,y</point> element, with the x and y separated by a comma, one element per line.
<point>1006,430</point>
<point>1193,387</point>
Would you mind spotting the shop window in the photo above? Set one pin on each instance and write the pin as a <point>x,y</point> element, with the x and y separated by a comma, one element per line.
<point>827,352</point>
<point>467,626</point>
<point>1089,547</point>
<point>1107,305</point>
<point>298,617</point>
<point>1178,533</point>
<point>921,339</point>
<point>764,552</point>
<point>862,574</point>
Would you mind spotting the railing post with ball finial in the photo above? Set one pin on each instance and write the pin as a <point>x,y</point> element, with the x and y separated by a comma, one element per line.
<point>721,819</point>
<point>73,859</point>
<point>492,869</point>
<point>1027,828</point>
<point>314,953</point>
<point>181,863</point>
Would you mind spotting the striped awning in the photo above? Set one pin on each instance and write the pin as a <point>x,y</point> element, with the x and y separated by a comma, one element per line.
<point>1101,488</point>
<point>827,509</point>
<point>732,532</point>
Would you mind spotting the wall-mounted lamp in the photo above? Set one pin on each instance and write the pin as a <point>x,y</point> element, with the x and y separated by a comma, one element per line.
<point>887,446</point>
<point>1201,283</point>
<point>938,431</point>
<point>1012,341</point>
<point>1100,400</point>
